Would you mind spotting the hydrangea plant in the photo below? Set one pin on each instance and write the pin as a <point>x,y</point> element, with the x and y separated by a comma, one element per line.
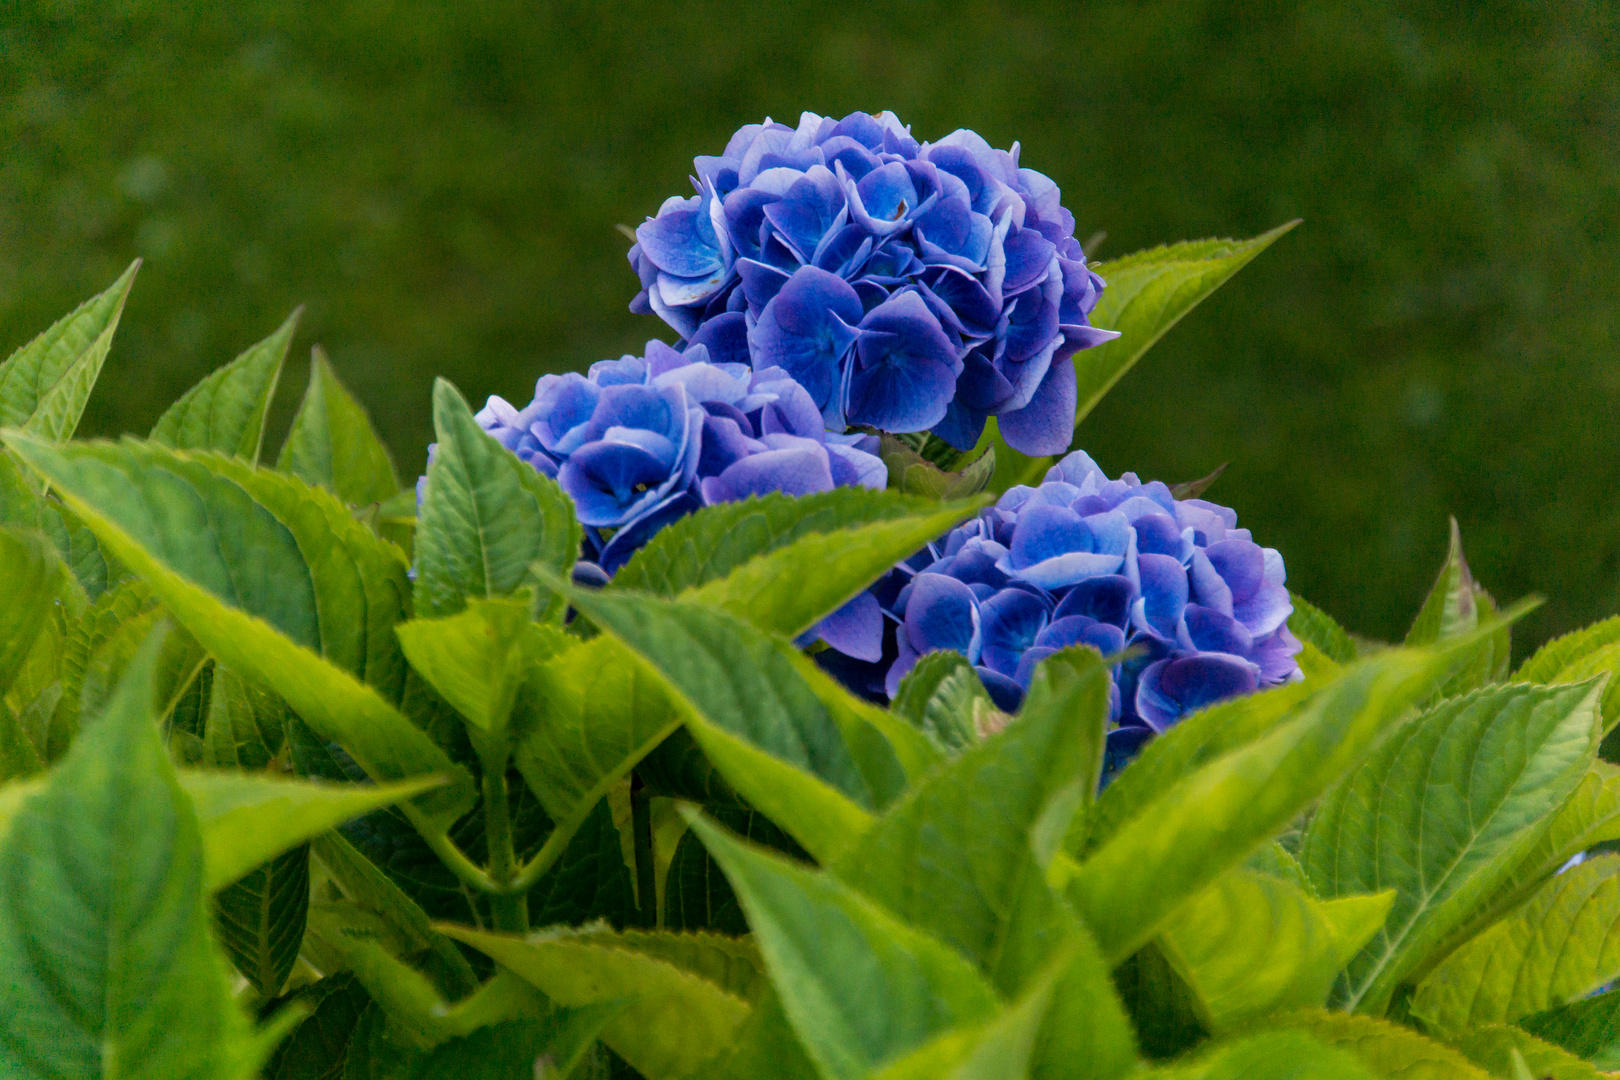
<point>305,775</point>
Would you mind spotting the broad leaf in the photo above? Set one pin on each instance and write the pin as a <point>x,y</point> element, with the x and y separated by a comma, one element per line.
<point>944,697</point>
<point>45,384</point>
<point>674,1018</point>
<point>1388,1050</point>
<point>1552,658</point>
<point>487,518</point>
<point>224,546</point>
<point>260,919</point>
<point>226,411</point>
<point>1555,949</point>
<point>1194,742</point>
<point>860,987</point>
<point>244,726</point>
<point>787,590</point>
<point>332,444</point>
<point>103,919</point>
<point>696,893</point>
<point>1252,943</point>
<point>1215,817</point>
<point>1311,624</point>
<point>954,856</point>
<point>711,543</point>
<point>317,1046</point>
<point>600,713</point>
<point>77,545</point>
<point>1147,293</point>
<point>752,712</point>
<point>1441,813</point>
<point>248,820</point>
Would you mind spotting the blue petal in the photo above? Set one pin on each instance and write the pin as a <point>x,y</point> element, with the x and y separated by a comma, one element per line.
<point>760,282</point>
<point>806,329</point>
<point>1005,694</point>
<point>1164,594</point>
<point>1029,255</point>
<point>796,471</point>
<point>1009,623</point>
<point>1106,598</point>
<point>726,338</point>
<point>681,241</point>
<point>941,613</point>
<point>886,196</point>
<point>610,481</point>
<point>1046,425</point>
<point>856,468</point>
<point>564,406</point>
<point>856,629</point>
<point>906,371</point>
<point>1210,631</point>
<point>1170,689</point>
<point>1080,630</point>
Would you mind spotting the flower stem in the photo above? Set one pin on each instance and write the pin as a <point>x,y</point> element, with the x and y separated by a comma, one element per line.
<point>641,838</point>
<point>510,910</point>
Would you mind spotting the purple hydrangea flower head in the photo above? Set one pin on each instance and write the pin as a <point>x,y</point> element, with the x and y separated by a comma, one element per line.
<point>1200,610</point>
<point>907,286</point>
<point>640,441</point>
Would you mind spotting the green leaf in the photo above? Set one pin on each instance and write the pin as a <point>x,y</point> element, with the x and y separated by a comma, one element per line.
<point>1589,817</point>
<point>20,504</point>
<point>332,444</point>
<point>674,1018</point>
<point>259,919</point>
<point>716,540</point>
<point>365,885</point>
<point>1252,943</point>
<point>248,820</point>
<point>316,1048</point>
<point>244,726</point>
<point>1215,817</point>
<point>479,660</point>
<point>1147,293</point>
<point>1553,950</point>
<point>226,410</point>
<point>1442,812</point>
<point>697,895</point>
<point>752,712</point>
<point>1194,742</point>
<point>44,385</point>
<point>487,518</point>
<point>860,987</point>
<point>224,546</point>
<point>30,578</point>
<point>1455,606</point>
<point>1552,658</point>
<point>914,474</point>
<point>954,856</point>
<point>590,880</point>
<point>1589,1028</point>
<point>18,757</point>
<point>1271,1055</point>
<point>1500,1048</point>
<point>1086,1034</point>
<point>788,590</point>
<point>943,696</point>
<point>1390,1051</point>
<point>77,545</point>
<point>103,921</point>
<point>1310,623</point>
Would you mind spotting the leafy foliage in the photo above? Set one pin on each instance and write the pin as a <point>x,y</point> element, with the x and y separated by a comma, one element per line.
<point>637,831</point>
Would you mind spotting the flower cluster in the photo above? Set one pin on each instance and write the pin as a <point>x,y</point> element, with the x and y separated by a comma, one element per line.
<point>1084,560</point>
<point>906,286</point>
<point>643,440</point>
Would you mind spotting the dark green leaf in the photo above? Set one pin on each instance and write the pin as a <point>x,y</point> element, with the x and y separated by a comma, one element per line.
<point>1589,1028</point>
<point>913,474</point>
<point>487,518</point>
<point>317,1047</point>
<point>259,919</point>
<point>589,881</point>
<point>697,895</point>
<point>1500,1048</point>
<point>713,542</point>
<point>45,384</point>
<point>333,445</point>
<point>225,411</point>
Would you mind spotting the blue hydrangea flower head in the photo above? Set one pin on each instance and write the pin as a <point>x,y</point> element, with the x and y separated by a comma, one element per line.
<point>1085,560</point>
<point>906,286</point>
<point>643,440</point>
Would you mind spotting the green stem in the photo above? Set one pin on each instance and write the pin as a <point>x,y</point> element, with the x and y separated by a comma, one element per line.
<point>447,851</point>
<point>510,909</point>
<point>641,837</point>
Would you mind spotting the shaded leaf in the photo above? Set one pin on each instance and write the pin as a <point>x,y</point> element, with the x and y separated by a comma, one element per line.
<point>332,444</point>
<point>1311,624</point>
<point>30,576</point>
<point>913,474</point>
<point>316,1048</point>
<point>226,410</point>
<point>1589,1029</point>
<point>259,919</point>
<point>697,895</point>
<point>1192,489</point>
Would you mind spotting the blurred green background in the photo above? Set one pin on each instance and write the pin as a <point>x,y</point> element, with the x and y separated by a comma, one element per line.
<point>440,184</point>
